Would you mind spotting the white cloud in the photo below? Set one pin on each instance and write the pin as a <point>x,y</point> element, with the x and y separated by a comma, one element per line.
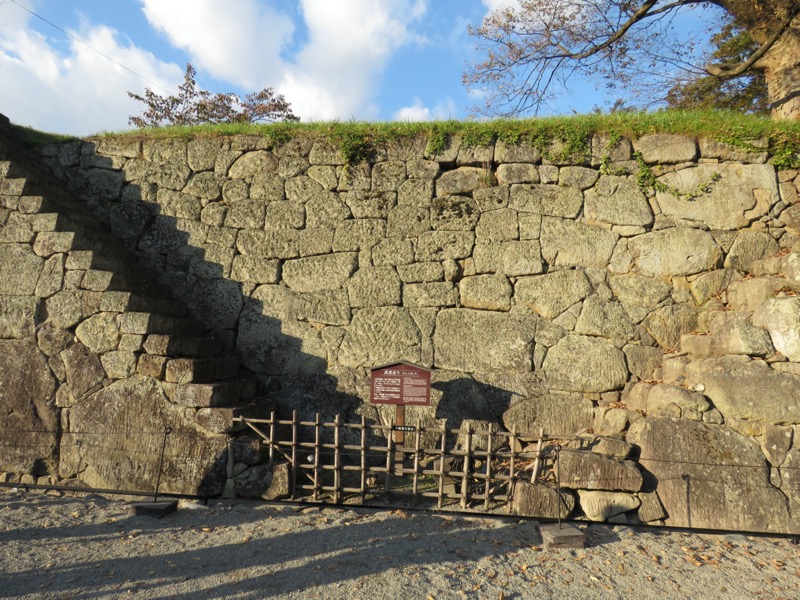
<point>239,42</point>
<point>335,73</point>
<point>498,4</point>
<point>350,43</point>
<point>417,111</point>
<point>79,92</point>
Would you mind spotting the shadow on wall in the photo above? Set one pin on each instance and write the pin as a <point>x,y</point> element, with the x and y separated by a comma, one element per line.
<point>286,341</point>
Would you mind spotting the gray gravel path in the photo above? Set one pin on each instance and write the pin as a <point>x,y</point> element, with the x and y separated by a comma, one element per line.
<point>91,547</point>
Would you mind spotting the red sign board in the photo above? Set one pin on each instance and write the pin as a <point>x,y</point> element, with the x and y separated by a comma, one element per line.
<point>400,383</point>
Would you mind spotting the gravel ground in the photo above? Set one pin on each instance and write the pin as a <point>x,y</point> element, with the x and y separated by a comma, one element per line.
<point>91,547</point>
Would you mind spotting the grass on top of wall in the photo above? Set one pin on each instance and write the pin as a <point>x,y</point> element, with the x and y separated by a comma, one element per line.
<point>357,140</point>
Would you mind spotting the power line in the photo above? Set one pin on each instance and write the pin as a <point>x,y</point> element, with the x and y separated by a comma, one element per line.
<point>77,39</point>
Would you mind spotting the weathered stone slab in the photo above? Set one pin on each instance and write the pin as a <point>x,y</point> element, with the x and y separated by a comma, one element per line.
<point>781,318</point>
<point>743,194</point>
<point>375,286</point>
<point>581,470</point>
<point>83,369</point>
<point>379,336</point>
<point>551,200</point>
<point>604,319</point>
<point>19,316</point>
<point>541,500</point>
<point>669,323</point>
<point>509,173</point>
<point>662,395</point>
<point>573,244</point>
<point>28,415</point>
<point>711,492</point>
<point>444,245</point>
<point>463,180</point>
<point>272,341</point>
<point>675,251</point>
<point>579,363</point>
<point>601,506</point>
<point>454,213</point>
<point>217,302</point>
<point>408,221</point>
<point>358,234</point>
<point>666,148</point>
<point>643,360</point>
<point>19,270</point>
<point>618,201</point>
<point>741,388</point>
<point>486,292</point>
<point>551,294</point>
<point>436,294</point>
<point>749,247</point>
<point>318,273</point>
<point>512,258</point>
<point>194,460</point>
<point>555,414</point>
<point>497,226</point>
<point>776,443</point>
<point>481,341</point>
<point>99,333</point>
<point>328,307</point>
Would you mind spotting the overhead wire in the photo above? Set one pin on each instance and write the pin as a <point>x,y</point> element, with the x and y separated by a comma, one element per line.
<point>80,41</point>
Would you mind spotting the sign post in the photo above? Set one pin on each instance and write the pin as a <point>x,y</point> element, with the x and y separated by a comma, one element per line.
<point>402,384</point>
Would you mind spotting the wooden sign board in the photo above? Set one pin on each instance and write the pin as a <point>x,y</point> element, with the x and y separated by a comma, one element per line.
<point>402,383</point>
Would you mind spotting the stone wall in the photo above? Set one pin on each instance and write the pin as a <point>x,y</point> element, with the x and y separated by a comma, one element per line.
<point>660,322</point>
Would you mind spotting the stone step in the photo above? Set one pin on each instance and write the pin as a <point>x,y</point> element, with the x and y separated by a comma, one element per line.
<point>193,347</point>
<point>10,169</point>
<point>99,280</point>
<point>118,301</point>
<point>14,186</point>
<point>145,323</point>
<point>220,393</point>
<point>121,263</point>
<point>201,370</point>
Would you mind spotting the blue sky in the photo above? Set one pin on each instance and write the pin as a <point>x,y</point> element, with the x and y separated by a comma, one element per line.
<point>332,59</point>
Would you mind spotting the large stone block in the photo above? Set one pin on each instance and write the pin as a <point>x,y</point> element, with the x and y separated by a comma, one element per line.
<point>555,414</point>
<point>478,341</point>
<point>551,294</point>
<point>463,180</point>
<point>541,500</point>
<point>781,318</point>
<point>19,316</point>
<point>252,164</point>
<point>132,415</point>
<point>551,200</point>
<point>486,292</point>
<point>591,471</point>
<point>444,245</point>
<point>99,333</point>
<point>375,286</point>
<point>741,388</point>
<point>666,148</point>
<point>601,506</point>
<point>454,213</point>
<point>28,414</point>
<point>19,270</point>
<point>749,247</point>
<point>669,323</point>
<point>573,244</point>
<point>319,273</point>
<point>358,234</point>
<point>618,201</point>
<point>709,476</point>
<point>580,363</point>
<point>514,258</point>
<point>498,226</point>
<point>744,193</point>
<point>272,341</point>
<point>675,251</point>
<point>604,319</point>
<point>379,336</point>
